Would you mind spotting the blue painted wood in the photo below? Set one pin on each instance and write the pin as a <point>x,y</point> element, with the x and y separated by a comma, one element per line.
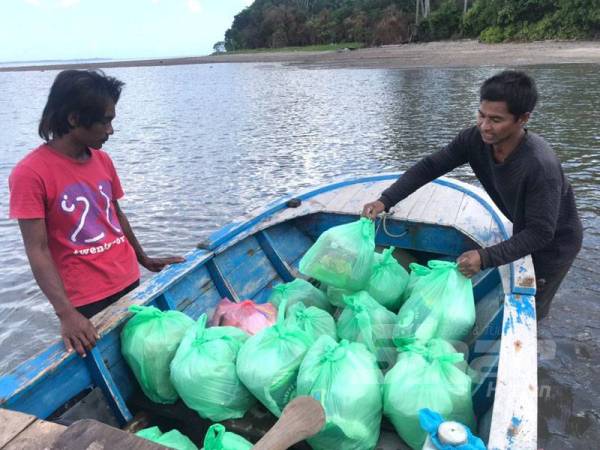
<point>484,282</point>
<point>165,302</point>
<point>483,391</point>
<point>103,379</point>
<point>291,243</point>
<point>268,247</point>
<point>222,285</point>
<point>58,386</point>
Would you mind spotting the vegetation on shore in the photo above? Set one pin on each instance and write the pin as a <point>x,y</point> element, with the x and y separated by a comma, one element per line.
<point>281,24</point>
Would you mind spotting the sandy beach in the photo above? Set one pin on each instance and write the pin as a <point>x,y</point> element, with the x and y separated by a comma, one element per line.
<point>464,53</point>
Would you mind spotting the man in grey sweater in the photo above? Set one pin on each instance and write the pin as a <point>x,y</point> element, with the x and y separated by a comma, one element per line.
<point>523,177</point>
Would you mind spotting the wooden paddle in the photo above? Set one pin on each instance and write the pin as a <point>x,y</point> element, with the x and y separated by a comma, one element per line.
<point>302,418</point>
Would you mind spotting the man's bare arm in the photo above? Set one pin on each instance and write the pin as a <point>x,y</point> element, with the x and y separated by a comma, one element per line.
<point>77,332</point>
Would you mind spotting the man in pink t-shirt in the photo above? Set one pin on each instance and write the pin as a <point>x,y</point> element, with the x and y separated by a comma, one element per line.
<point>81,248</point>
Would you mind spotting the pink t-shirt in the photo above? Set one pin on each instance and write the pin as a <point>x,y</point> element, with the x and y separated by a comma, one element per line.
<point>91,253</point>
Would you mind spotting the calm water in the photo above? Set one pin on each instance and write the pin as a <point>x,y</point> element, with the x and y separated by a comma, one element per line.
<point>196,146</point>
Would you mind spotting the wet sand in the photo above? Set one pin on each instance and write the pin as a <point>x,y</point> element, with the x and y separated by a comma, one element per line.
<point>464,53</point>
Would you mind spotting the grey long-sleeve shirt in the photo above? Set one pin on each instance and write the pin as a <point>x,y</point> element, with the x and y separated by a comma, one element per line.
<point>529,187</point>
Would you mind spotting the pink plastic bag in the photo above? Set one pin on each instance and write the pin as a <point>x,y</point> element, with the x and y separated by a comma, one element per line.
<point>247,315</point>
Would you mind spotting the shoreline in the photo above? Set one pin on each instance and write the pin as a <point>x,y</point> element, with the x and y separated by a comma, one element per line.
<point>463,53</point>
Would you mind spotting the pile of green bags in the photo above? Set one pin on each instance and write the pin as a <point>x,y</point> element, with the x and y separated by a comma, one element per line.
<point>388,280</point>
<point>430,375</point>
<point>364,320</point>
<point>299,291</point>
<point>203,372</point>
<point>268,362</point>
<point>346,380</point>
<point>342,256</point>
<point>441,305</point>
<point>149,341</point>
<point>313,321</point>
<point>218,439</point>
<point>172,439</point>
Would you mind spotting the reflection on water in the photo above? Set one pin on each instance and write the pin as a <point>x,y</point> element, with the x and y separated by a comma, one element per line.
<point>196,146</point>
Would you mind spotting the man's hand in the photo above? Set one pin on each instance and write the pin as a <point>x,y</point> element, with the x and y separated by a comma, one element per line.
<point>371,210</point>
<point>469,263</point>
<point>77,332</point>
<point>158,264</point>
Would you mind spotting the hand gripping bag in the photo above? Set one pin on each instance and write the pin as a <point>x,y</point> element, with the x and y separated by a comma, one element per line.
<point>388,281</point>
<point>149,341</point>
<point>342,256</point>
<point>247,315</point>
<point>345,378</point>
<point>427,376</point>
<point>314,321</point>
<point>172,439</point>
<point>441,306</point>
<point>204,374</point>
<point>364,320</point>
<point>297,291</point>
<point>218,439</point>
<point>268,362</point>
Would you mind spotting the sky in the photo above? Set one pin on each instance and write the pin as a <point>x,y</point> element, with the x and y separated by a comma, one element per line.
<point>34,30</point>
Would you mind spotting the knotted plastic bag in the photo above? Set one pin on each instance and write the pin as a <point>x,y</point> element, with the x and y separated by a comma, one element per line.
<point>388,281</point>
<point>204,374</point>
<point>218,439</point>
<point>441,306</point>
<point>430,422</point>
<point>427,376</point>
<point>364,320</point>
<point>268,362</point>
<point>247,315</point>
<point>172,439</point>
<point>314,321</point>
<point>336,296</point>
<point>345,378</point>
<point>417,272</point>
<point>302,291</point>
<point>149,341</point>
<point>342,256</point>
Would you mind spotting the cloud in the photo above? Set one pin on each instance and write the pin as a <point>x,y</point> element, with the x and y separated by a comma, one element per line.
<point>34,2</point>
<point>67,3</point>
<point>194,6</point>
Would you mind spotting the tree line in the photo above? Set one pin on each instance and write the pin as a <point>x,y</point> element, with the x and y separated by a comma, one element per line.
<point>284,23</point>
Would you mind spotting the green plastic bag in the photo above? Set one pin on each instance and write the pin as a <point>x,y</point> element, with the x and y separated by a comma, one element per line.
<point>427,376</point>
<point>204,374</point>
<point>342,256</point>
<point>172,439</point>
<point>441,305</point>
<point>364,320</point>
<point>388,281</point>
<point>417,272</point>
<point>301,291</point>
<point>218,439</point>
<point>336,296</point>
<point>314,321</point>
<point>348,383</point>
<point>268,362</point>
<point>149,341</point>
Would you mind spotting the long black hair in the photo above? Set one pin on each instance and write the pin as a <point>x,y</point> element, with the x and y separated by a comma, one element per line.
<point>85,93</point>
<point>514,87</point>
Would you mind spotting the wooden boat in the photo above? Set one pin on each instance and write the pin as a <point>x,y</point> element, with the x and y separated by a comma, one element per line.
<point>244,259</point>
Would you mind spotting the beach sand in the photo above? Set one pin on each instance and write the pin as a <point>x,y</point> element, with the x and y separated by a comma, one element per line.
<point>463,53</point>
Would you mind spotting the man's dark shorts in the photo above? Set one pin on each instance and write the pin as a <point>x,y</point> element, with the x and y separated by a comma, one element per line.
<point>94,308</point>
<point>547,283</point>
